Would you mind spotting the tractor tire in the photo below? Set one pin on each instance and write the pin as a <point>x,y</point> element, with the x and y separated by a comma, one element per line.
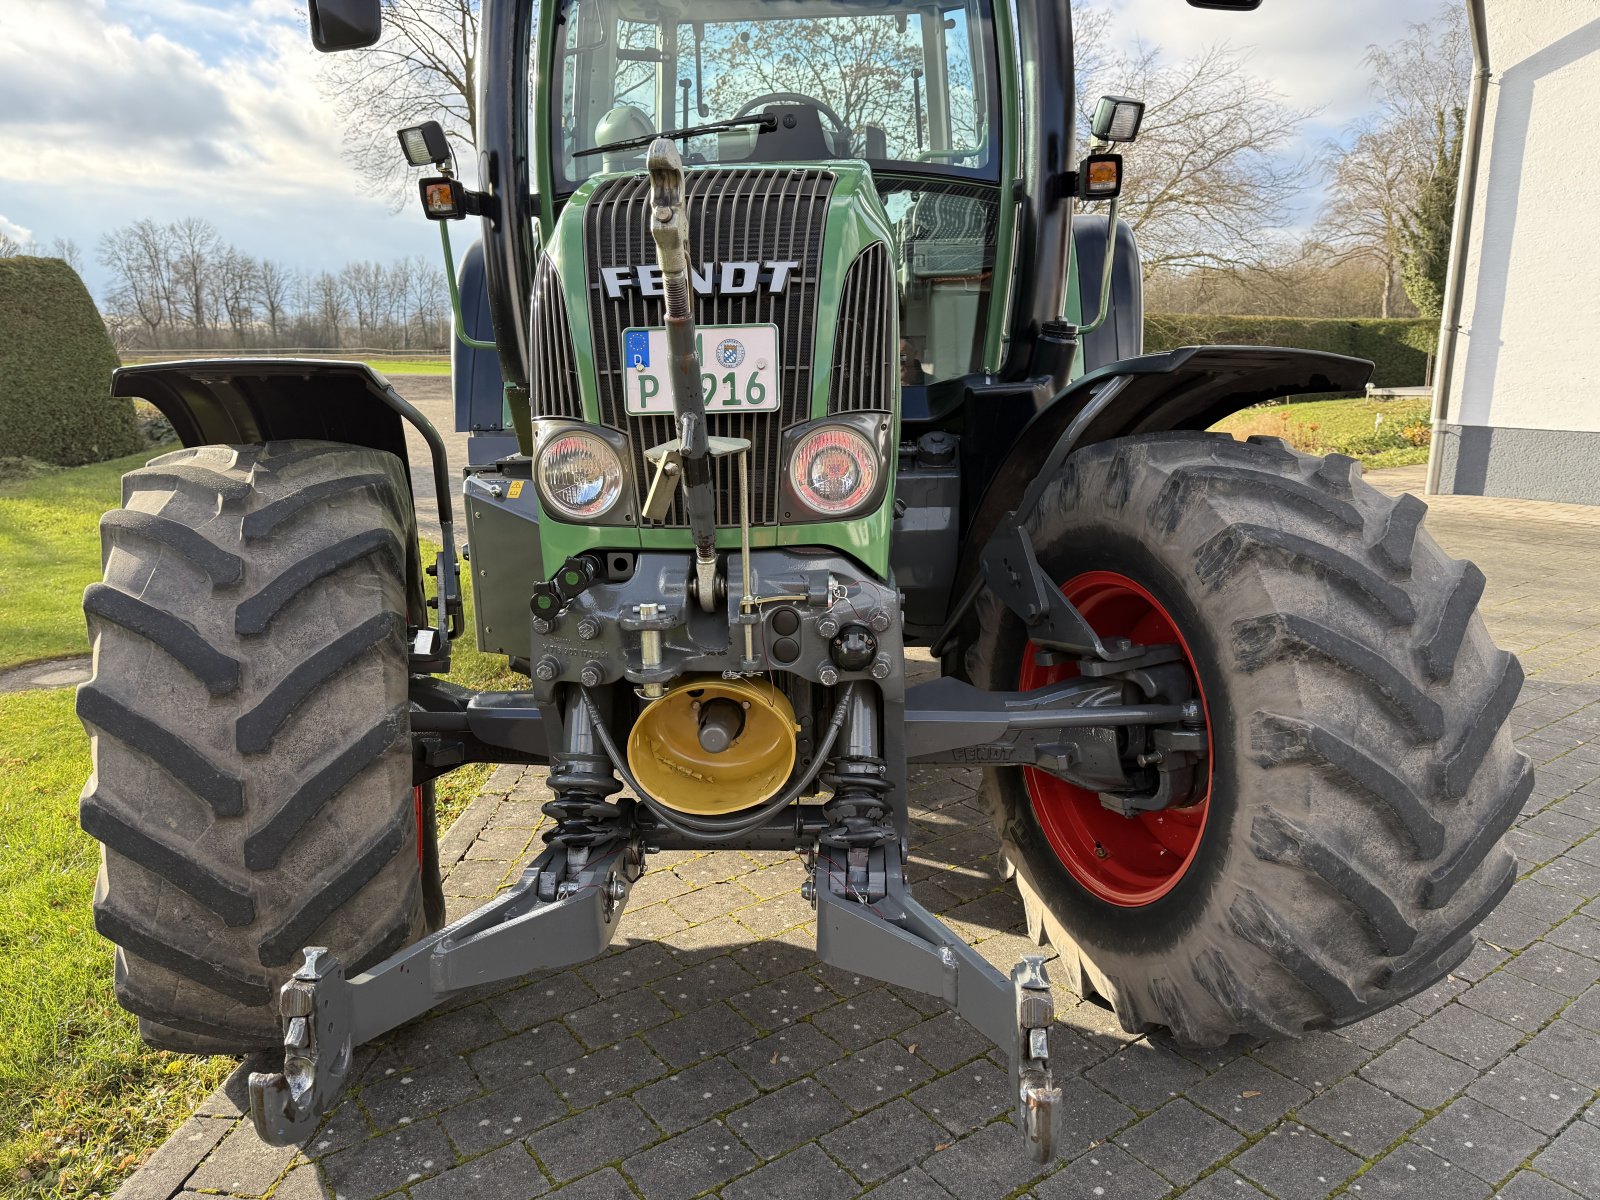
<point>1361,775</point>
<point>252,785</point>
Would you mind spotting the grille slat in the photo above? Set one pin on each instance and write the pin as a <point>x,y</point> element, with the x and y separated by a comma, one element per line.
<point>864,360</point>
<point>734,216</point>
<point>555,375</point>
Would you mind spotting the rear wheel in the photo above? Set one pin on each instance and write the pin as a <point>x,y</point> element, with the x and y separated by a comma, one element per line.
<point>248,718</point>
<point>1346,838</point>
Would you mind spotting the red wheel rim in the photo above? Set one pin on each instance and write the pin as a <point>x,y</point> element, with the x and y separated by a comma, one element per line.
<point>1126,861</point>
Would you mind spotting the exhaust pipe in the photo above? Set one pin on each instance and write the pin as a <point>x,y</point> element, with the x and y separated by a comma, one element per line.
<point>669,225</point>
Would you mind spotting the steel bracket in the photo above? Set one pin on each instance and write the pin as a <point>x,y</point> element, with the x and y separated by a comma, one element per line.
<point>1011,570</point>
<point>895,939</point>
<point>326,1016</point>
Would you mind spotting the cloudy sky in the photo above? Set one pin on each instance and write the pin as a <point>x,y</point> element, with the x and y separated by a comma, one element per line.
<point>114,110</point>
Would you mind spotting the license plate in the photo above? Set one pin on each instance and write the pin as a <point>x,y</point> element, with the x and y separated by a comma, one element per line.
<point>738,363</point>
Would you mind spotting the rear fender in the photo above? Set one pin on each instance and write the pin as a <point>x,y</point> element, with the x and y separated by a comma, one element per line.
<point>1190,388</point>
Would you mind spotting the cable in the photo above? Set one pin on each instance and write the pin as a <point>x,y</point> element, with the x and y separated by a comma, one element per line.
<point>699,830</point>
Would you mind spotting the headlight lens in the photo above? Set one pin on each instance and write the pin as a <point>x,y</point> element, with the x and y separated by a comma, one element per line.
<point>834,470</point>
<point>580,475</point>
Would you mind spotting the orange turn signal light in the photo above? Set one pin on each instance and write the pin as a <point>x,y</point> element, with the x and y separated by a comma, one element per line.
<point>443,199</point>
<point>1100,177</point>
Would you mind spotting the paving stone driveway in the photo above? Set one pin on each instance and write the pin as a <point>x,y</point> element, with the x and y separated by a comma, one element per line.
<point>710,1053</point>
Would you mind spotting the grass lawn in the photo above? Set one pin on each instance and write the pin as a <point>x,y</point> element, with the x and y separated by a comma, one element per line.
<point>49,532</point>
<point>1350,427</point>
<point>81,1099</point>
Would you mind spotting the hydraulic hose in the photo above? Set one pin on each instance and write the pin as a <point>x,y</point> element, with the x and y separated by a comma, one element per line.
<point>700,830</point>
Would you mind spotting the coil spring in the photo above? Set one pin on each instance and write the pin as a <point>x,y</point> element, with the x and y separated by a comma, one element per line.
<point>582,814</point>
<point>857,814</point>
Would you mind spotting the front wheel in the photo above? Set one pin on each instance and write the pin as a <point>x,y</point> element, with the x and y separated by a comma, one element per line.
<point>1344,836</point>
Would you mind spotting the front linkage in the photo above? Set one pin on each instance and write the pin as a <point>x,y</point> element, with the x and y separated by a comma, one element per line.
<point>564,909</point>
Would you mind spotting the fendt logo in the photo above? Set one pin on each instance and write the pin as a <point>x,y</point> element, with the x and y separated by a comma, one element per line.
<point>719,279</point>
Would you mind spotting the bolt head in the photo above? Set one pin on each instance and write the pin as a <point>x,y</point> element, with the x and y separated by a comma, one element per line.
<point>588,629</point>
<point>540,625</point>
<point>827,675</point>
<point>881,666</point>
<point>827,626</point>
<point>592,675</point>
<point>546,669</point>
<point>879,620</point>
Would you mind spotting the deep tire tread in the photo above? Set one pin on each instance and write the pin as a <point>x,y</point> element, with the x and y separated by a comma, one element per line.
<point>181,640</point>
<point>1367,729</point>
<point>253,779</point>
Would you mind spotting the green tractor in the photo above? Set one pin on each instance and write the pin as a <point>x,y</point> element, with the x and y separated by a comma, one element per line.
<point>778,362</point>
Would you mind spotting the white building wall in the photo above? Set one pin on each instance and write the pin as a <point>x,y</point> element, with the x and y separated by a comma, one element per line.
<point>1528,360</point>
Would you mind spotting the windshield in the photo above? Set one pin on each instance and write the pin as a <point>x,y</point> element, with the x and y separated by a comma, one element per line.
<point>903,85</point>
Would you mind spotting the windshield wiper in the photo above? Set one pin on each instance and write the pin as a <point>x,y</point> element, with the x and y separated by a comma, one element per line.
<point>677,135</point>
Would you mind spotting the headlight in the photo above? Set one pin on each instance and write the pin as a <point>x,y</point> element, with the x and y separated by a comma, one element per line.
<point>834,470</point>
<point>580,475</point>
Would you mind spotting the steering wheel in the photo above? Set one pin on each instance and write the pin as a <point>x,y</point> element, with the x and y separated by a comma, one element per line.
<point>840,130</point>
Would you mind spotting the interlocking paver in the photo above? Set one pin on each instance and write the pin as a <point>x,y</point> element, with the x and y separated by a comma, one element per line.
<point>411,1153</point>
<point>606,1073</point>
<point>583,1142</point>
<point>1357,1115</point>
<point>1247,1095</point>
<point>1418,1074</point>
<point>1483,1140</point>
<point>1573,1159</point>
<point>1410,1172</point>
<point>507,1174</point>
<point>711,1021</point>
<point>689,1163</point>
<point>1523,1089</point>
<point>1105,1173</point>
<point>1179,1141</point>
<point>508,1114</point>
<point>868,1077</point>
<point>782,1120</point>
<point>807,1174</point>
<point>884,1141</point>
<point>1293,1163</point>
<point>689,1097</point>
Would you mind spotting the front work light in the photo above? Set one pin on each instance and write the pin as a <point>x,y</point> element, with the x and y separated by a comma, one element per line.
<point>1117,119</point>
<point>834,471</point>
<point>580,475</point>
<point>426,145</point>
<point>1100,177</point>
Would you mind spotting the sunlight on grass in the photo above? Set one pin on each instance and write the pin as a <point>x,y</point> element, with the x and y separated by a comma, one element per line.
<point>49,534</point>
<point>1392,433</point>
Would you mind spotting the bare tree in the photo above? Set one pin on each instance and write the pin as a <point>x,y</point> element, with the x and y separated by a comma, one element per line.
<point>10,247</point>
<point>273,284</point>
<point>1209,181</point>
<point>68,252</point>
<point>331,310</point>
<point>195,247</point>
<point>139,259</point>
<point>1377,175</point>
<point>424,67</point>
<point>236,285</point>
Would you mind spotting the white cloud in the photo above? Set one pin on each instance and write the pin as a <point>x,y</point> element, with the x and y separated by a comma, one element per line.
<point>17,233</point>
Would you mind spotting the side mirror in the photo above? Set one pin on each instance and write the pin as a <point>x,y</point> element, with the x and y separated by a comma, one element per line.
<point>1227,5</point>
<point>344,24</point>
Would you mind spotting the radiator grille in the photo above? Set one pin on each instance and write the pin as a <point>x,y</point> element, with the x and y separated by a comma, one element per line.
<point>864,355</point>
<point>734,216</point>
<point>555,374</point>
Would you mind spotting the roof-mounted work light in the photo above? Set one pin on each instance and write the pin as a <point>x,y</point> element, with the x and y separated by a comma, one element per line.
<point>1117,119</point>
<point>426,145</point>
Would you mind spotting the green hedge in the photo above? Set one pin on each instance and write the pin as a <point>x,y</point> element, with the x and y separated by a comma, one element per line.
<point>55,370</point>
<point>1392,345</point>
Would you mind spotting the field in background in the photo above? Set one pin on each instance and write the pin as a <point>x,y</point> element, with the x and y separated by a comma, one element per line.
<point>1377,433</point>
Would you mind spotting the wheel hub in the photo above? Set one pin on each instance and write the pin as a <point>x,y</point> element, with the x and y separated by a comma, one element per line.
<point>1125,861</point>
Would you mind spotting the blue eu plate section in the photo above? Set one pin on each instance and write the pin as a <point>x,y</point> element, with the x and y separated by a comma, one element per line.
<point>636,348</point>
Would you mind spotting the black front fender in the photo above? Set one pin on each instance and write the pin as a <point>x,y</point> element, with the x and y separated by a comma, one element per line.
<point>241,401</point>
<point>1190,388</point>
